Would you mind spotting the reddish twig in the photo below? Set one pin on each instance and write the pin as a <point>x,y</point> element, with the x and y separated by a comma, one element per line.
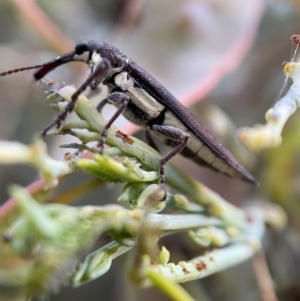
<point>128,18</point>
<point>41,23</point>
<point>231,60</point>
<point>263,277</point>
<point>10,204</point>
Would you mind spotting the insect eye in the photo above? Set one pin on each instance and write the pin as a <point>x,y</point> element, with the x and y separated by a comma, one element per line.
<point>81,47</point>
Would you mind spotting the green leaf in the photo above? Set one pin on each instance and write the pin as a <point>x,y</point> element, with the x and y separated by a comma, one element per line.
<point>110,170</point>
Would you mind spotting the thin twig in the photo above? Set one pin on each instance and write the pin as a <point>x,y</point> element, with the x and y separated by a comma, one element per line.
<point>263,277</point>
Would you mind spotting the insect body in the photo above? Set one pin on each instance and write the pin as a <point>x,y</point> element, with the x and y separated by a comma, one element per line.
<point>145,102</point>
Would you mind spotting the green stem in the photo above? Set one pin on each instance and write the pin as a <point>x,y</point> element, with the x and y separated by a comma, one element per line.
<point>170,288</point>
<point>136,148</point>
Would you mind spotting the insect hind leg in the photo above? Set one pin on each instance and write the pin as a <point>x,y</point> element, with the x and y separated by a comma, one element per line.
<point>151,142</point>
<point>175,134</point>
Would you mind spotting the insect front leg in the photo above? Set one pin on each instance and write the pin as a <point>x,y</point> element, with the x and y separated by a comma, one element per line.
<point>120,100</point>
<point>173,134</point>
<point>101,71</point>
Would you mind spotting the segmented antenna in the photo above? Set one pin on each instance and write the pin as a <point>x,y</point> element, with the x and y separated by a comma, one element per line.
<point>20,70</point>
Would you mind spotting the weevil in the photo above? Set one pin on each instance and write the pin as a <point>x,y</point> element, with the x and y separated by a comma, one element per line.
<point>146,102</point>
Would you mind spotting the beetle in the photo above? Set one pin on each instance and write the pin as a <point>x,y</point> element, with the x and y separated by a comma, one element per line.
<point>146,102</point>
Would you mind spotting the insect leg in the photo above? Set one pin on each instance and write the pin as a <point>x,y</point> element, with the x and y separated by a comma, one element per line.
<point>174,134</point>
<point>150,141</point>
<point>120,100</point>
<point>101,71</point>
<point>101,105</point>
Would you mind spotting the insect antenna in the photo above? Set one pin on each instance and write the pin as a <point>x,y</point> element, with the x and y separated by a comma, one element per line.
<point>20,70</point>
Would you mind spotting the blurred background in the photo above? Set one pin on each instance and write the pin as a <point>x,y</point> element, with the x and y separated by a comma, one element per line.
<point>221,58</point>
